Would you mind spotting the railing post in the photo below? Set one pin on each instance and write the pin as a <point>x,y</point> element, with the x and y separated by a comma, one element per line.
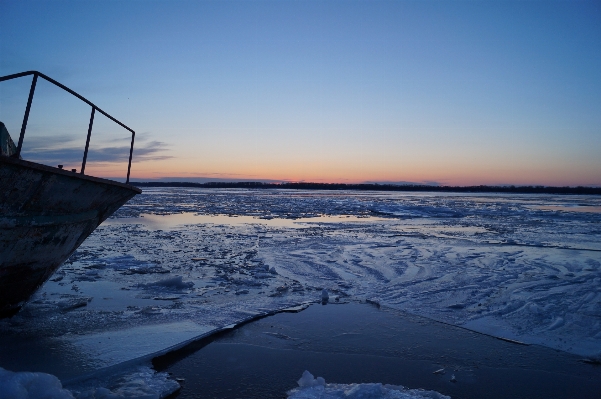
<point>131,151</point>
<point>37,74</point>
<point>26,117</point>
<point>85,152</point>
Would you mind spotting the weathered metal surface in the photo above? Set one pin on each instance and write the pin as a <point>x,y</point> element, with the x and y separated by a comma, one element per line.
<point>7,146</point>
<point>45,214</point>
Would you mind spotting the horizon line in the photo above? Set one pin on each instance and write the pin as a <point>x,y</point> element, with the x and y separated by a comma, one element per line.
<point>524,189</point>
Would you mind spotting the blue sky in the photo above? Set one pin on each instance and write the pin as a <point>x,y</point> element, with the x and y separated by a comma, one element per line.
<point>460,92</point>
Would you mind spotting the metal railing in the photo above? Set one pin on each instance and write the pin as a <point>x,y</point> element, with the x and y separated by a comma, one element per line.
<point>94,109</point>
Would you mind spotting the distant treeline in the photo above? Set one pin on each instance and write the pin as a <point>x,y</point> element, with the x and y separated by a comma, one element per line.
<point>382,187</point>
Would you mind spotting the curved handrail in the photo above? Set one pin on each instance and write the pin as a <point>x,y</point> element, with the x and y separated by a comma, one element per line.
<point>82,98</point>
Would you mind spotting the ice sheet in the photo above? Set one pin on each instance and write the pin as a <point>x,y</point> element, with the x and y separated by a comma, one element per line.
<point>109,348</point>
<point>506,265</point>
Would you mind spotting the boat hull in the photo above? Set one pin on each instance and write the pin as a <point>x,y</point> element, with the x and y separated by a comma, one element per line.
<point>45,215</point>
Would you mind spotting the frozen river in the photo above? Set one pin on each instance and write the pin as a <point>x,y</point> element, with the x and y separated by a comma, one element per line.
<point>174,264</point>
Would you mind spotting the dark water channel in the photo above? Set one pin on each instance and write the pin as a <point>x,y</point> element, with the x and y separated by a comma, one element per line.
<point>359,343</point>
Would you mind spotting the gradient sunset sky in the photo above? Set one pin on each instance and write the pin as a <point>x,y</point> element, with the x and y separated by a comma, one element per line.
<point>451,92</point>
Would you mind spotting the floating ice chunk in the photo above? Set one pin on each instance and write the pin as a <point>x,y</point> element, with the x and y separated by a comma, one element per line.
<point>26,385</point>
<point>130,265</point>
<point>175,282</point>
<point>307,380</point>
<point>296,309</point>
<point>272,271</point>
<point>150,310</point>
<point>140,383</point>
<point>73,303</point>
<point>417,211</point>
<point>121,262</point>
<point>453,379</point>
<point>316,388</point>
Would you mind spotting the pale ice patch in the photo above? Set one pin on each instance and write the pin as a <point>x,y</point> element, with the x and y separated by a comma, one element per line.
<point>110,348</point>
<point>172,283</point>
<point>141,382</point>
<point>28,385</point>
<point>128,264</point>
<point>310,387</point>
<point>307,380</point>
<point>416,211</point>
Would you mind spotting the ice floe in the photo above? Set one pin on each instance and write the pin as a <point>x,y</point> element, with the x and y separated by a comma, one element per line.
<point>140,382</point>
<point>310,387</point>
<point>27,385</point>
<point>171,283</point>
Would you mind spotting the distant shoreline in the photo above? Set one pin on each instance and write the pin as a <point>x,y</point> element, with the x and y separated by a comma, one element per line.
<point>382,187</point>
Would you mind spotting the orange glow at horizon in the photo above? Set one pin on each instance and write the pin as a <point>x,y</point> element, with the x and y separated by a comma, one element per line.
<point>319,172</point>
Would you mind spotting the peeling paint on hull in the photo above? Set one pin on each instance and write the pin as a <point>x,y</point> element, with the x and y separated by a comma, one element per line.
<point>45,215</point>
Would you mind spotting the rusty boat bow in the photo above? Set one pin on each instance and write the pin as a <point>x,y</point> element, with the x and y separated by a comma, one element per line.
<point>47,212</point>
<point>45,215</point>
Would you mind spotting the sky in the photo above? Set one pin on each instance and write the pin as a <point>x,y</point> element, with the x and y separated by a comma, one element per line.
<point>434,92</point>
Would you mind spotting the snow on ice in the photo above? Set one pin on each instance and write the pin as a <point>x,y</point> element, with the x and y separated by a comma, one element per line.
<point>523,267</point>
<point>310,387</point>
<point>27,385</point>
<point>141,382</point>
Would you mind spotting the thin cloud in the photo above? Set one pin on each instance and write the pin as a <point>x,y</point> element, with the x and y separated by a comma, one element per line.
<point>43,143</point>
<point>44,151</point>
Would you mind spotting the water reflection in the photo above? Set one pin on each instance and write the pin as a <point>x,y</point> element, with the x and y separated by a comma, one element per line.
<point>164,222</point>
